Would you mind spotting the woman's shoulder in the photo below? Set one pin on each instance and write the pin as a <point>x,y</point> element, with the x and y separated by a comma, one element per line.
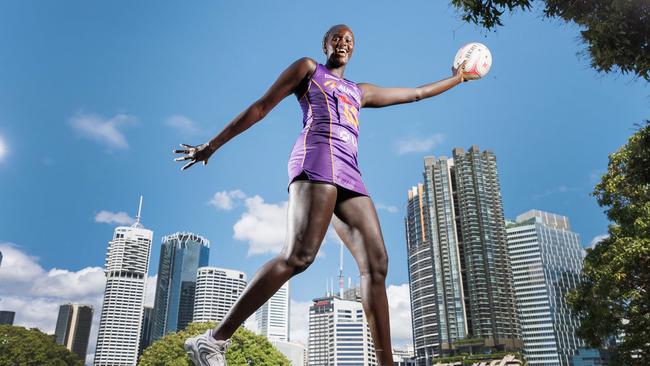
<point>307,62</point>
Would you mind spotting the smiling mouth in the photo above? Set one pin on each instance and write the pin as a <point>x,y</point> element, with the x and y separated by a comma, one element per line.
<point>341,51</point>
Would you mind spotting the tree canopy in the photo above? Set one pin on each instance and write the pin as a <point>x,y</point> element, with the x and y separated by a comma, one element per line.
<point>246,349</point>
<point>616,32</point>
<point>31,347</point>
<point>613,300</point>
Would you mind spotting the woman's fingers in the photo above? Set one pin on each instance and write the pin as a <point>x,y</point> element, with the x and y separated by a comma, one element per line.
<point>183,158</point>
<point>181,151</point>
<point>188,164</point>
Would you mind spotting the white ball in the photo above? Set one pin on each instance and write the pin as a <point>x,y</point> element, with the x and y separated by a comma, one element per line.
<point>479,60</point>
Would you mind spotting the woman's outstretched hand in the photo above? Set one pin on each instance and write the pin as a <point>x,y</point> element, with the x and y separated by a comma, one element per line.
<point>194,154</point>
<point>458,71</point>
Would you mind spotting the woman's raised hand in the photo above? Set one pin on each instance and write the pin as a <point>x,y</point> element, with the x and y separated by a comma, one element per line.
<point>194,154</point>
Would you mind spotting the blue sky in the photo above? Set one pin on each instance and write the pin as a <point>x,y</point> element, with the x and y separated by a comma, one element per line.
<point>94,96</point>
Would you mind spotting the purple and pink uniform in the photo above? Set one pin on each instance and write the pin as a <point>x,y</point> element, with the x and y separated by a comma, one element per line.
<point>326,150</point>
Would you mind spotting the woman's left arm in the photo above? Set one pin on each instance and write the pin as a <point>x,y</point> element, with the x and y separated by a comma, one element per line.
<point>377,97</point>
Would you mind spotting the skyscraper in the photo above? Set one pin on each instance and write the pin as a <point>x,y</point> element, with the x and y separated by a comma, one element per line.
<point>7,317</point>
<point>424,310</point>
<point>73,328</point>
<point>181,254</point>
<point>147,328</point>
<point>339,333</point>
<point>546,261</point>
<point>459,272</point>
<point>126,269</point>
<point>273,317</point>
<point>217,289</point>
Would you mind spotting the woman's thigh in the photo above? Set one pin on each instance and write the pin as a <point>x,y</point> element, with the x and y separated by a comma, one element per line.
<point>357,225</point>
<point>309,214</point>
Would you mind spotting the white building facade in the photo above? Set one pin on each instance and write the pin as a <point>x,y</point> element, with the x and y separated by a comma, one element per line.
<point>339,334</point>
<point>546,258</point>
<point>295,352</point>
<point>217,289</point>
<point>126,270</point>
<point>273,317</point>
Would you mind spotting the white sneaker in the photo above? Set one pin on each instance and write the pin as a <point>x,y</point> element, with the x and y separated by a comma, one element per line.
<point>204,350</point>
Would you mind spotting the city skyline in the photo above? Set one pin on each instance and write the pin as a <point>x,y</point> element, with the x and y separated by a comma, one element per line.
<point>86,133</point>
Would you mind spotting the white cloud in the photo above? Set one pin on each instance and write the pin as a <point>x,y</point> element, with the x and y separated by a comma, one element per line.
<point>183,125</point>
<point>299,321</point>
<point>17,267</point>
<point>35,293</point>
<point>226,200</point>
<point>61,283</point>
<point>399,303</point>
<point>3,148</point>
<point>419,144</point>
<point>388,208</point>
<point>597,239</point>
<point>101,129</point>
<point>119,218</point>
<point>263,226</point>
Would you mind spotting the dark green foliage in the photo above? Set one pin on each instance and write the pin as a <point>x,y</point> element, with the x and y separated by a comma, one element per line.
<point>31,347</point>
<point>614,298</point>
<point>616,32</point>
<point>246,349</point>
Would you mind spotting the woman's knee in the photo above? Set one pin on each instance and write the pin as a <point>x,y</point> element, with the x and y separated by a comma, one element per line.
<point>376,268</point>
<point>299,262</point>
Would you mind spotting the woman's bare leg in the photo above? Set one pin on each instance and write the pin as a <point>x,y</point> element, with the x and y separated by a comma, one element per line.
<point>357,225</point>
<point>310,211</point>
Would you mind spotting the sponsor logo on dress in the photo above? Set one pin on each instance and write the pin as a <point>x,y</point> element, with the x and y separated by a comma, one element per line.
<point>349,91</point>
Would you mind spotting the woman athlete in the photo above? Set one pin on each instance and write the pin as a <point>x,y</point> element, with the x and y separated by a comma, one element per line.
<point>324,186</point>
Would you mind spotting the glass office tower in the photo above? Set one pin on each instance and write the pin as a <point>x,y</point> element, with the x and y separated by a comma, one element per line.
<point>73,327</point>
<point>181,255</point>
<point>546,259</point>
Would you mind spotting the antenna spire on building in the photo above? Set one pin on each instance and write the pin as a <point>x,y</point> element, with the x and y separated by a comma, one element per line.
<point>341,284</point>
<point>137,218</point>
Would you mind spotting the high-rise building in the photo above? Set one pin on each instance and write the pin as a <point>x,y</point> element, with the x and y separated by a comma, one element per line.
<point>273,317</point>
<point>147,328</point>
<point>7,317</point>
<point>73,327</point>
<point>546,259</point>
<point>339,333</point>
<point>459,273</point>
<point>217,289</point>
<point>181,254</point>
<point>403,356</point>
<point>295,352</point>
<point>424,309</point>
<point>126,269</point>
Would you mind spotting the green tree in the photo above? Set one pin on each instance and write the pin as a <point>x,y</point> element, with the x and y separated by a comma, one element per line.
<point>613,299</point>
<point>31,347</point>
<point>246,349</point>
<point>616,32</point>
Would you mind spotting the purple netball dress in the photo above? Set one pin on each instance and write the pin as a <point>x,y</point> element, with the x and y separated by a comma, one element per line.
<point>326,150</point>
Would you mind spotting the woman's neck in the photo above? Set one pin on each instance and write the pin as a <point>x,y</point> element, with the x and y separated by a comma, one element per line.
<point>337,70</point>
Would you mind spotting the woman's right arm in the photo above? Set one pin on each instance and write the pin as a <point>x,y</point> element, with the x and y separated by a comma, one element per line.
<point>287,83</point>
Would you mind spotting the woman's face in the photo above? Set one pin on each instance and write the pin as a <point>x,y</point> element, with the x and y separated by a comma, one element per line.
<point>338,46</point>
